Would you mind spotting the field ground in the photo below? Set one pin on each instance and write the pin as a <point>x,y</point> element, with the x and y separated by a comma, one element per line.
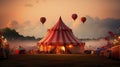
<point>61,60</point>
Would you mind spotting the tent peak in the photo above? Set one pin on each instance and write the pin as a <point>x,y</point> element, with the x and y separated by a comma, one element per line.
<point>60,18</point>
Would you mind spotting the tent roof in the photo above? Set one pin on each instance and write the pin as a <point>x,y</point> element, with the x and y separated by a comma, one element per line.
<point>60,26</point>
<point>59,34</point>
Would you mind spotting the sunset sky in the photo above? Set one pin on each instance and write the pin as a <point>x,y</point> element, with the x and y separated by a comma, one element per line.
<point>24,16</point>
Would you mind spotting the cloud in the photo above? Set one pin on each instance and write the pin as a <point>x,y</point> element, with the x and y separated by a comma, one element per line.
<point>19,25</point>
<point>14,24</point>
<point>92,28</point>
<point>112,24</point>
<point>26,28</point>
<point>95,27</point>
<point>28,5</point>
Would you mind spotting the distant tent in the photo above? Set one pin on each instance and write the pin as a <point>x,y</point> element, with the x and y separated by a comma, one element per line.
<point>59,35</point>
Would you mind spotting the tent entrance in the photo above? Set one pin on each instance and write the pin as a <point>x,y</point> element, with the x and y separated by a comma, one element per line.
<point>54,49</point>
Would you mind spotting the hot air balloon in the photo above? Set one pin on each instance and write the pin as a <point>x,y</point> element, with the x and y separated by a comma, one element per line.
<point>83,19</point>
<point>42,19</point>
<point>74,16</point>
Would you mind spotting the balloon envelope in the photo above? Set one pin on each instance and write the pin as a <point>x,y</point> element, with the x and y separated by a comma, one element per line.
<point>83,19</point>
<point>74,16</point>
<point>42,19</point>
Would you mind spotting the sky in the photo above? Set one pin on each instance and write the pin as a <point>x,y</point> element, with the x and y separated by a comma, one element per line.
<point>24,16</point>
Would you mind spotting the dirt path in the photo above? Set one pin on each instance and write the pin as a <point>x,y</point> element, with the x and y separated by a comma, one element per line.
<point>65,60</point>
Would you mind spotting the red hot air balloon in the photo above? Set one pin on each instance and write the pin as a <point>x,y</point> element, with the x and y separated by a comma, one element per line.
<point>74,16</point>
<point>83,19</point>
<point>42,19</point>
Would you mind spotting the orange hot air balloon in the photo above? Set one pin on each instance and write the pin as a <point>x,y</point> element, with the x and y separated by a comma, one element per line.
<point>42,20</point>
<point>74,16</point>
<point>83,19</point>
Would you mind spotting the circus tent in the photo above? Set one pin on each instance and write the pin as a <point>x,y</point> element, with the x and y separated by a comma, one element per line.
<point>60,35</point>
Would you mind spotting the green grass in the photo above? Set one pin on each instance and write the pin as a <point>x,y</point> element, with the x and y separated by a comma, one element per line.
<point>63,60</point>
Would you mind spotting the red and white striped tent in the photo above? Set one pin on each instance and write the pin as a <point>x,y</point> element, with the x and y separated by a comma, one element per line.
<point>60,35</point>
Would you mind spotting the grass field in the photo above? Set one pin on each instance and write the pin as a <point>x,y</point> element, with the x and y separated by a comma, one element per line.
<point>63,60</point>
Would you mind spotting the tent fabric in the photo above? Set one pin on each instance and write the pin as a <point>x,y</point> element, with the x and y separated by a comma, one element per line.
<point>60,34</point>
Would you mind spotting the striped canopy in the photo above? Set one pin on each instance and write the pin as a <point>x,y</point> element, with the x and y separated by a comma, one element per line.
<point>59,34</point>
